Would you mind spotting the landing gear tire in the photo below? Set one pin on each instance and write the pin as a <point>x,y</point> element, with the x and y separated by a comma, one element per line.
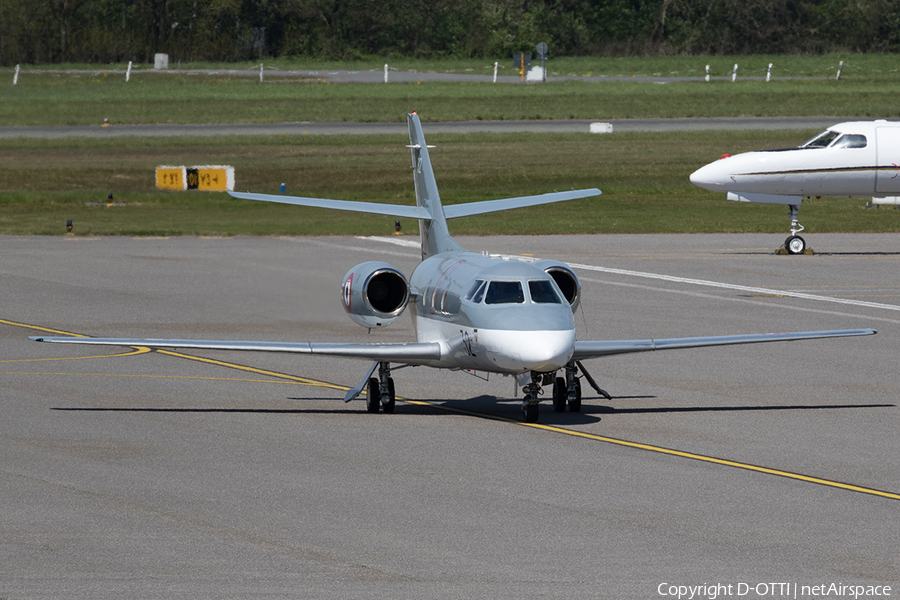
<point>373,396</point>
<point>795,245</point>
<point>392,400</point>
<point>559,395</point>
<point>575,403</point>
<point>531,412</point>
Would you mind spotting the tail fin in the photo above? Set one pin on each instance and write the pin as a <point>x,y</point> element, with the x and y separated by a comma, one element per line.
<point>429,211</point>
<point>433,231</point>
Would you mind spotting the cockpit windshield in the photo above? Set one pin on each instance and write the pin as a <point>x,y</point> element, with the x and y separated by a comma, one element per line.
<point>504,292</point>
<point>822,140</point>
<point>542,292</point>
<point>850,140</point>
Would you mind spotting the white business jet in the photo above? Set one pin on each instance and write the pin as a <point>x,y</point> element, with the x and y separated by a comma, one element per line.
<point>471,312</point>
<point>858,158</point>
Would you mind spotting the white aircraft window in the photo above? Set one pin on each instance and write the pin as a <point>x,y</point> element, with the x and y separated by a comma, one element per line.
<point>504,292</point>
<point>542,292</point>
<point>822,140</point>
<point>477,287</point>
<point>851,140</point>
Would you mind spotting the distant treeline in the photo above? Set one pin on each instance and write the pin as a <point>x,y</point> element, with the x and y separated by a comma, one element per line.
<point>105,31</point>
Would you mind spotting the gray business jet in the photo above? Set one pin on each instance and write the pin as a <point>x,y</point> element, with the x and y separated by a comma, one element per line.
<point>470,311</point>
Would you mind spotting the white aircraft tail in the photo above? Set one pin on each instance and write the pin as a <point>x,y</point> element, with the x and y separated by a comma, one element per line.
<point>433,230</point>
<point>432,215</point>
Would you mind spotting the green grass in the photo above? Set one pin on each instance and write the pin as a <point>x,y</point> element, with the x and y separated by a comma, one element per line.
<point>44,183</point>
<point>644,177</point>
<point>45,98</point>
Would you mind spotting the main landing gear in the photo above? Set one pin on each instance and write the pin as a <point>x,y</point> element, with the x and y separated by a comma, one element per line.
<point>795,244</point>
<point>380,392</point>
<point>566,391</point>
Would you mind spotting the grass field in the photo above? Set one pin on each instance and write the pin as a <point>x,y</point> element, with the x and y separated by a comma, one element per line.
<point>644,178</point>
<point>44,183</point>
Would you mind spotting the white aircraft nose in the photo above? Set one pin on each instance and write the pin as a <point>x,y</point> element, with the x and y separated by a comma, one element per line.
<point>715,176</point>
<point>521,351</point>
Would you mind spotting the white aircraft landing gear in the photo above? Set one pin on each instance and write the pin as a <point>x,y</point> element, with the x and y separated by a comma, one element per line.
<point>532,402</point>
<point>381,391</point>
<point>567,390</point>
<point>795,244</point>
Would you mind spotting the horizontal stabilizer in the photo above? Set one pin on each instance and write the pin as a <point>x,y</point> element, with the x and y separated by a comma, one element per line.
<point>390,210</point>
<point>585,350</point>
<point>406,353</point>
<point>488,206</point>
<point>764,198</point>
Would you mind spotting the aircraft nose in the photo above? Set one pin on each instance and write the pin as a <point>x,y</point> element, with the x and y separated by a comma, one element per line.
<point>714,176</point>
<point>541,351</point>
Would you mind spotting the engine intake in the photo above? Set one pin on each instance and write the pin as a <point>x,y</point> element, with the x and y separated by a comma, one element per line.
<point>374,294</point>
<point>565,278</point>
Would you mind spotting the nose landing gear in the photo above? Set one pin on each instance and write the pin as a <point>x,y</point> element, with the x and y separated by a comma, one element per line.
<point>795,244</point>
<point>566,391</point>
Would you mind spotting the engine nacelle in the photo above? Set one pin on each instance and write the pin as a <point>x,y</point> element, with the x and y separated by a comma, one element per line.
<point>565,278</point>
<point>374,294</point>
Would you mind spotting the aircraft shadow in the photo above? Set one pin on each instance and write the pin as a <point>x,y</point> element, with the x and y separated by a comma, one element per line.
<point>489,407</point>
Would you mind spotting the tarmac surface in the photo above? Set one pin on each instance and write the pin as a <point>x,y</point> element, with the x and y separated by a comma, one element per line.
<point>136,474</point>
<point>400,127</point>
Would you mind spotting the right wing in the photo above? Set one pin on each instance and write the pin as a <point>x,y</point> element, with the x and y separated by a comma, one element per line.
<point>587,349</point>
<point>412,353</point>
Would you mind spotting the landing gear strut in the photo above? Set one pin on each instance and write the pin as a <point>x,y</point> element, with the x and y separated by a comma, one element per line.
<point>532,401</point>
<point>380,392</point>
<point>795,244</point>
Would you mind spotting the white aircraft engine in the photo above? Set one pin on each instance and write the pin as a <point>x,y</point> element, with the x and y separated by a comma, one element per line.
<point>374,294</point>
<point>565,278</point>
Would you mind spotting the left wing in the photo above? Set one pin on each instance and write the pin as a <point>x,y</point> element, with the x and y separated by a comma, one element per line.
<point>413,353</point>
<point>587,349</point>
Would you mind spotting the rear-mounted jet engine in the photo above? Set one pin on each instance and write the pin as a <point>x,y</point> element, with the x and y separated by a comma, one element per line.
<point>565,278</point>
<point>374,294</point>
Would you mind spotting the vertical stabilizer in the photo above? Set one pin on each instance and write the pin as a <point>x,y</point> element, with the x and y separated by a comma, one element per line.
<point>434,233</point>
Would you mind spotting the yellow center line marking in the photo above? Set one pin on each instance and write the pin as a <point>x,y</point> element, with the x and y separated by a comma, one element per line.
<point>157,376</point>
<point>137,350</point>
<point>230,365</point>
<point>671,452</point>
<point>38,328</point>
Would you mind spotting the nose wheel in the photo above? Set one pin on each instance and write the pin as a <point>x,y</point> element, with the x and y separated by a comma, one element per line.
<point>795,244</point>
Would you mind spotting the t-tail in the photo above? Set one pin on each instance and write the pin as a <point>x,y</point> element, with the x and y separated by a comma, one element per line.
<point>429,211</point>
<point>433,231</point>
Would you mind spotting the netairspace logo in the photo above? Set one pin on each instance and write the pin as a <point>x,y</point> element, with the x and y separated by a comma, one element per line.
<point>712,591</point>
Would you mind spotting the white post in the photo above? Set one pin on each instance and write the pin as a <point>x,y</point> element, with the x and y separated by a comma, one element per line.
<point>840,66</point>
<point>734,73</point>
<point>769,72</point>
<point>385,72</point>
<point>16,76</point>
<point>707,72</point>
<point>260,72</point>
<point>495,72</point>
<point>128,73</point>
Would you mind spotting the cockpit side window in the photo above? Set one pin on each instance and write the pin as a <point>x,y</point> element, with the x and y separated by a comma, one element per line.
<point>476,291</point>
<point>504,292</point>
<point>822,140</point>
<point>542,292</point>
<point>850,140</point>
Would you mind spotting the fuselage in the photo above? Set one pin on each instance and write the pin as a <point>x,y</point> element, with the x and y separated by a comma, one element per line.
<point>491,314</point>
<point>848,159</point>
